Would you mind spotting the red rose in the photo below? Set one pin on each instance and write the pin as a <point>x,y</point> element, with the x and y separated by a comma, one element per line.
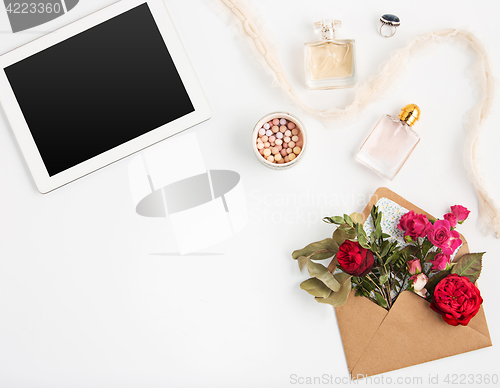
<point>354,259</point>
<point>457,299</point>
<point>414,225</point>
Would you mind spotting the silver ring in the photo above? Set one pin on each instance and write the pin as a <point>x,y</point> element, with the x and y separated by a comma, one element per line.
<point>389,21</point>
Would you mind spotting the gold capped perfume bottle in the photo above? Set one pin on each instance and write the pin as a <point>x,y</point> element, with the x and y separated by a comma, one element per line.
<point>330,63</point>
<point>391,142</point>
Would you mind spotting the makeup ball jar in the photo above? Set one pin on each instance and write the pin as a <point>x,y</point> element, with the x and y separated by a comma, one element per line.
<point>279,140</point>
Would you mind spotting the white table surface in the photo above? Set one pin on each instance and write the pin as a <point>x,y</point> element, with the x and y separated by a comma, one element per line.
<point>91,294</point>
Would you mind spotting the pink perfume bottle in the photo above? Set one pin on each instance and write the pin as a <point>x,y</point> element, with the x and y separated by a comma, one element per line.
<point>391,142</point>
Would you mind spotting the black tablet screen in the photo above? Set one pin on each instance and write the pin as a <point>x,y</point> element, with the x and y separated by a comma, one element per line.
<point>98,89</point>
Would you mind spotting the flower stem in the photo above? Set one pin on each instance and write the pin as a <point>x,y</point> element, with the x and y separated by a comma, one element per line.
<point>380,290</point>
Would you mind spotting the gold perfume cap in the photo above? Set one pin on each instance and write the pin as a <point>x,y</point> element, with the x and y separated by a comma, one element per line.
<point>410,114</point>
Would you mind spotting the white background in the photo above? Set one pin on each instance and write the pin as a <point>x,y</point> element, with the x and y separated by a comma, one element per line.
<point>93,295</point>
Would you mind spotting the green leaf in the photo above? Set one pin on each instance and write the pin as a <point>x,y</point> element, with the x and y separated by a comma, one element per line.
<point>384,278</point>
<point>320,272</point>
<point>392,258</point>
<point>362,238</point>
<point>469,265</point>
<point>430,256</point>
<point>380,300</point>
<point>348,220</point>
<point>369,286</point>
<point>378,231</point>
<point>385,235</point>
<point>339,298</point>
<point>426,246</point>
<point>334,220</point>
<point>434,280</point>
<point>316,288</point>
<point>302,261</point>
<point>386,246</point>
<point>318,250</point>
<point>409,250</point>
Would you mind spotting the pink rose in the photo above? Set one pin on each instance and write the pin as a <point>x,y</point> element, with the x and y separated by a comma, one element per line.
<point>418,282</point>
<point>441,235</point>
<point>414,225</point>
<point>460,212</point>
<point>414,267</point>
<point>451,218</point>
<point>440,262</point>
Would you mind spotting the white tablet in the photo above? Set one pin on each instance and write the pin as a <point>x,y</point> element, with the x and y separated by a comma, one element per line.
<point>98,90</point>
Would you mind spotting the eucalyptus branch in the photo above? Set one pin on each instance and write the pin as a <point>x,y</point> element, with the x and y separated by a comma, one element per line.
<point>318,251</point>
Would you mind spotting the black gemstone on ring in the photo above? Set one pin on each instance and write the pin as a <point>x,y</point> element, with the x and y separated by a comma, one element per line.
<point>390,20</point>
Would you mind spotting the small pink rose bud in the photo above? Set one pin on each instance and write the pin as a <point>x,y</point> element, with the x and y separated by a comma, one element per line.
<point>451,218</point>
<point>418,281</point>
<point>414,267</point>
<point>440,262</point>
<point>460,212</point>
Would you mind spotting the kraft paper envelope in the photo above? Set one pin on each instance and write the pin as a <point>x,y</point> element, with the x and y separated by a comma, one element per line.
<point>377,341</point>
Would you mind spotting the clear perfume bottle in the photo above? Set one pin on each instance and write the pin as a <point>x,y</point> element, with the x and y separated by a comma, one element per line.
<point>391,142</point>
<point>330,63</point>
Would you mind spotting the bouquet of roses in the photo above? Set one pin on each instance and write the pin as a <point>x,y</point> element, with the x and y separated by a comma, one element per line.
<point>379,267</point>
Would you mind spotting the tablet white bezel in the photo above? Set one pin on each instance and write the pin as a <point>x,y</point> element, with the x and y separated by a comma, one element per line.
<point>202,112</point>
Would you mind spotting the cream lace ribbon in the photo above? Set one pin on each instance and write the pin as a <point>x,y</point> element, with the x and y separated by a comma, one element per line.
<point>375,86</point>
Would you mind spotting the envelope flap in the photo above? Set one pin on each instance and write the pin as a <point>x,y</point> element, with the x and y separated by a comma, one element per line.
<point>358,322</point>
<point>412,333</point>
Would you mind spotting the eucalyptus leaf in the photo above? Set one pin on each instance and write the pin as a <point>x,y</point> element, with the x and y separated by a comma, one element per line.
<point>316,287</point>
<point>320,272</point>
<point>340,236</point>
<point>335,220</point>
<point>338,298</point>
<point>357,218</point>
<point>348,220</point>
<point>320,250</point>
<point>302,261</point>
<point>384,278</point>
<point>469,265</point>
